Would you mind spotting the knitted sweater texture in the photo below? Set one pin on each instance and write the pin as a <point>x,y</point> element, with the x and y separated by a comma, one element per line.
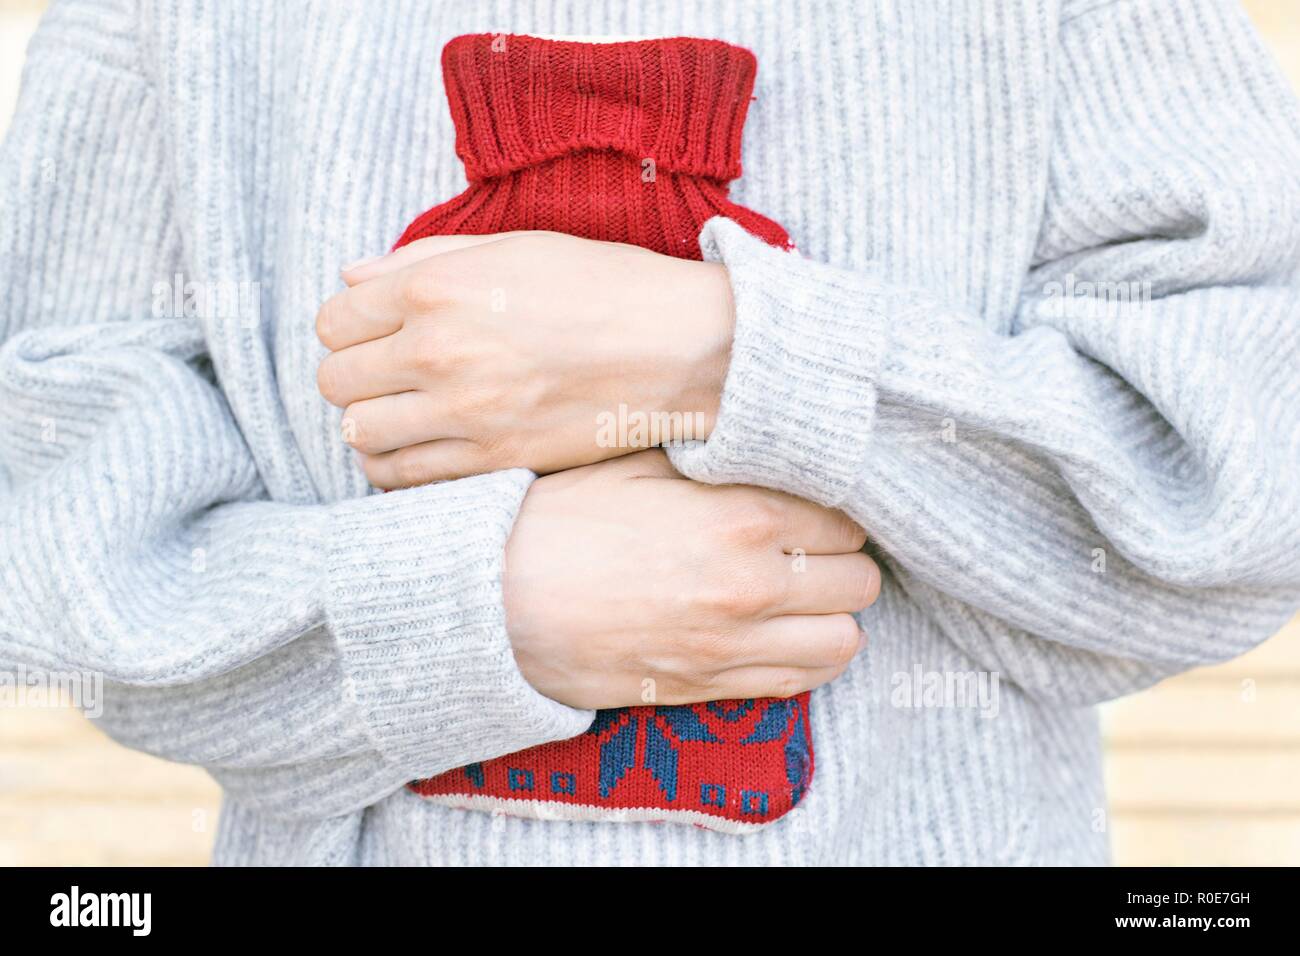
<point>1041,340</point>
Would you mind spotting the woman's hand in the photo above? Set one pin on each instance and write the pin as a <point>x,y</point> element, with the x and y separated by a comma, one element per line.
<point>460,355</point>
<point>626,584</point>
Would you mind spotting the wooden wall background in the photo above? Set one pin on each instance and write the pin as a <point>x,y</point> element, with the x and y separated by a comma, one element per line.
<point>1203,769</point>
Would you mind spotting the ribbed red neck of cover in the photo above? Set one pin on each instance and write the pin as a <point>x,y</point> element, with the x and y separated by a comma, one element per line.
<point>521,100</point>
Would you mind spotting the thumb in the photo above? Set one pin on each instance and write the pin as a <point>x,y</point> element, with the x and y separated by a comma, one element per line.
<point>375,266</point>
<point>651,463</point>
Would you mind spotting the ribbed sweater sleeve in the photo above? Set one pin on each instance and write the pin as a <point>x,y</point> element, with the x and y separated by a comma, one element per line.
<point>1107,489</point>
<point>313,656</point>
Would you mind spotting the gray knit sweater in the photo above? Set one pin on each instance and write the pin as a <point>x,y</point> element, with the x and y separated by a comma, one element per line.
<point>1043,343</point>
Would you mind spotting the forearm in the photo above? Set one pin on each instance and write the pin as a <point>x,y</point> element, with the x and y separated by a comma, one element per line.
<point>145,551</point>
<point>1085,494</point>
<point>1026,492</point>
<point>264,638</point>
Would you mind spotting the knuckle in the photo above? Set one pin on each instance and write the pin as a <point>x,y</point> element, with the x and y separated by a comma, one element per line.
<point>740,595</point>
<point>357,432</point>
<point>694,684</point>
<point>851,532</point>
<point>329,380</point>
<point>350,431</point>
<point>408,470</point>
<point>786,683</point>
<point>713,651</point>
<point>679,690</point>
<point>866,585</point>
<point>438,349</point>
<point>421,287</point>
<point>845,636</point>
<point>753,520</point>
<point>677,674</point>
<point>327,322</point>
<point>842,666</point>
<point>426,348</point>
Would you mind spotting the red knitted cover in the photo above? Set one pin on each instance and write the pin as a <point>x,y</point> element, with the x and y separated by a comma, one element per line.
<point>630,142</point>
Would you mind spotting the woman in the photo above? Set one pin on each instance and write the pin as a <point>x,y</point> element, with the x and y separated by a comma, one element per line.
<point>1071,493</point>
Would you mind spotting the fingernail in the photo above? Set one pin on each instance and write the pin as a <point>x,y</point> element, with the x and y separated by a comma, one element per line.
<point>360,262</point>
<point>862,641</point>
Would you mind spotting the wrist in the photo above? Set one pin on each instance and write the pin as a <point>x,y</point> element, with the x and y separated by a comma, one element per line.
<point>706,354</point>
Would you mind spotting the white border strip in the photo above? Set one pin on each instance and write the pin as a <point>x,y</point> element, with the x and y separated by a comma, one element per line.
<point>582,812</point>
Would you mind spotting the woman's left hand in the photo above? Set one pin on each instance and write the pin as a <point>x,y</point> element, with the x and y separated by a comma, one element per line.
<point>458,355</point>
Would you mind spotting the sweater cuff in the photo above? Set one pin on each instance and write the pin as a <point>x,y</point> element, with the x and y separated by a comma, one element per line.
<point>414,601</point>
<point>799,397</point>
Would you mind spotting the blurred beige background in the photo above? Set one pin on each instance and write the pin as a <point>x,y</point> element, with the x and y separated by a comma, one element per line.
<point>1203,769</point>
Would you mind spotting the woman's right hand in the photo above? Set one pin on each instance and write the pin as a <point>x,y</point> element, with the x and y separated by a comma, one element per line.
<point>625,584</point>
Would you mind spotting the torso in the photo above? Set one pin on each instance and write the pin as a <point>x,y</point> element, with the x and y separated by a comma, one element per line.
<point>867,130</point>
